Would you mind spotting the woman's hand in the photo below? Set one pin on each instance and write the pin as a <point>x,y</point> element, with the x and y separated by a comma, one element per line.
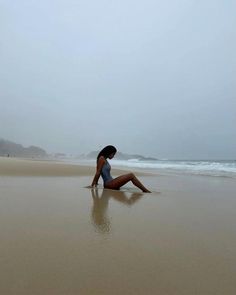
<point>91,186</point>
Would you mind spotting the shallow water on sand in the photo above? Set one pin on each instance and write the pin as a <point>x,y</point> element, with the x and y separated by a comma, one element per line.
<point>58,237</point>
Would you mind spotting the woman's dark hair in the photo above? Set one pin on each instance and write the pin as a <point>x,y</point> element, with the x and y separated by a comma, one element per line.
<point>107,151</point>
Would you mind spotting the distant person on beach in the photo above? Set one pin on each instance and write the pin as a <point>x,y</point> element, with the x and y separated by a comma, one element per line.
<point>103,169</point>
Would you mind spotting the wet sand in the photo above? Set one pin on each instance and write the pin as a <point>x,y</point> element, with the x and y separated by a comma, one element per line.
<point>58,237</point>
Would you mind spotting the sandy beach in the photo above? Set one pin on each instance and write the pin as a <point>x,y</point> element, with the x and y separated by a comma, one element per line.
<point>60,238</point>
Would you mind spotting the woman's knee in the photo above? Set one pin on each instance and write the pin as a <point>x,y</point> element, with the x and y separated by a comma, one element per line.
<point>131,175</point>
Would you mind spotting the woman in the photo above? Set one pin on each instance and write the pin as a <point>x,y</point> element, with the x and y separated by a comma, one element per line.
<point>103,169</point>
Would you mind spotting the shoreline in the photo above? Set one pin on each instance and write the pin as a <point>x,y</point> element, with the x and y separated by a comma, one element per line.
<point>56,167</point>
<point>40,167</point>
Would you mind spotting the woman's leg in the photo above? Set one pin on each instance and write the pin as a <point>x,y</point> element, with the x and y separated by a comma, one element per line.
<point>116,183</point>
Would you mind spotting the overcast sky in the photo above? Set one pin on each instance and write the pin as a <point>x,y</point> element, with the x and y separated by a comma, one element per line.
<point>150,77</point>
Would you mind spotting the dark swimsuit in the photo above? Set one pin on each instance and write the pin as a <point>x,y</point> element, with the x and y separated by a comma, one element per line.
<point>106,173</point>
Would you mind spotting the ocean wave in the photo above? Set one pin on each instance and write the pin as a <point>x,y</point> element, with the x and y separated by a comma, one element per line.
<point>209,168</point>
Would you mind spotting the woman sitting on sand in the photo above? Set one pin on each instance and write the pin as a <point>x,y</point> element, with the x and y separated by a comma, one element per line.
<point>103,169</point>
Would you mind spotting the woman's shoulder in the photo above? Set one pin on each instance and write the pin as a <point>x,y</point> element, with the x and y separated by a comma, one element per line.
<point>101,159</point>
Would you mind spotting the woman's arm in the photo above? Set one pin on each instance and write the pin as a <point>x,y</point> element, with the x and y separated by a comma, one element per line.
<point>101,162</point>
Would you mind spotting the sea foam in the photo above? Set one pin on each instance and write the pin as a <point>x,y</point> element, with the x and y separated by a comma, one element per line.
<point>209,168</point>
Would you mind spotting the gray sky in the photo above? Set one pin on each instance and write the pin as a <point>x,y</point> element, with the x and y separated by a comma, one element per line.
<point>151,77</point>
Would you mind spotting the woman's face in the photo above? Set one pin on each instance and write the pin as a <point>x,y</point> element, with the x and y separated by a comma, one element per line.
<point>111,155</point>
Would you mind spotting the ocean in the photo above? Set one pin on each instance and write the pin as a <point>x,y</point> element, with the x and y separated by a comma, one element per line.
<point>214,168</point>
<point>217,168</point>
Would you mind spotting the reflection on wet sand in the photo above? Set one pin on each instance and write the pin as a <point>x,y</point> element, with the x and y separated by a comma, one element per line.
<point>99,214</point>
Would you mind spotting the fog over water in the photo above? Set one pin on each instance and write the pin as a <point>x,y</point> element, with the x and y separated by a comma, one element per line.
<point>151,77</point>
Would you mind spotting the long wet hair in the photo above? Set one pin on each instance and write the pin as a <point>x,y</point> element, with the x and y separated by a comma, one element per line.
<point>107,151</point>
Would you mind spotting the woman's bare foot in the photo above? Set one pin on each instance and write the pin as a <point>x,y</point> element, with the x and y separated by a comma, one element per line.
<point>146,191</point>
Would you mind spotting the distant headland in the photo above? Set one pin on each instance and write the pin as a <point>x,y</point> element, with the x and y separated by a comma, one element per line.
<point>121,156</point>
<point>12,149</point>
